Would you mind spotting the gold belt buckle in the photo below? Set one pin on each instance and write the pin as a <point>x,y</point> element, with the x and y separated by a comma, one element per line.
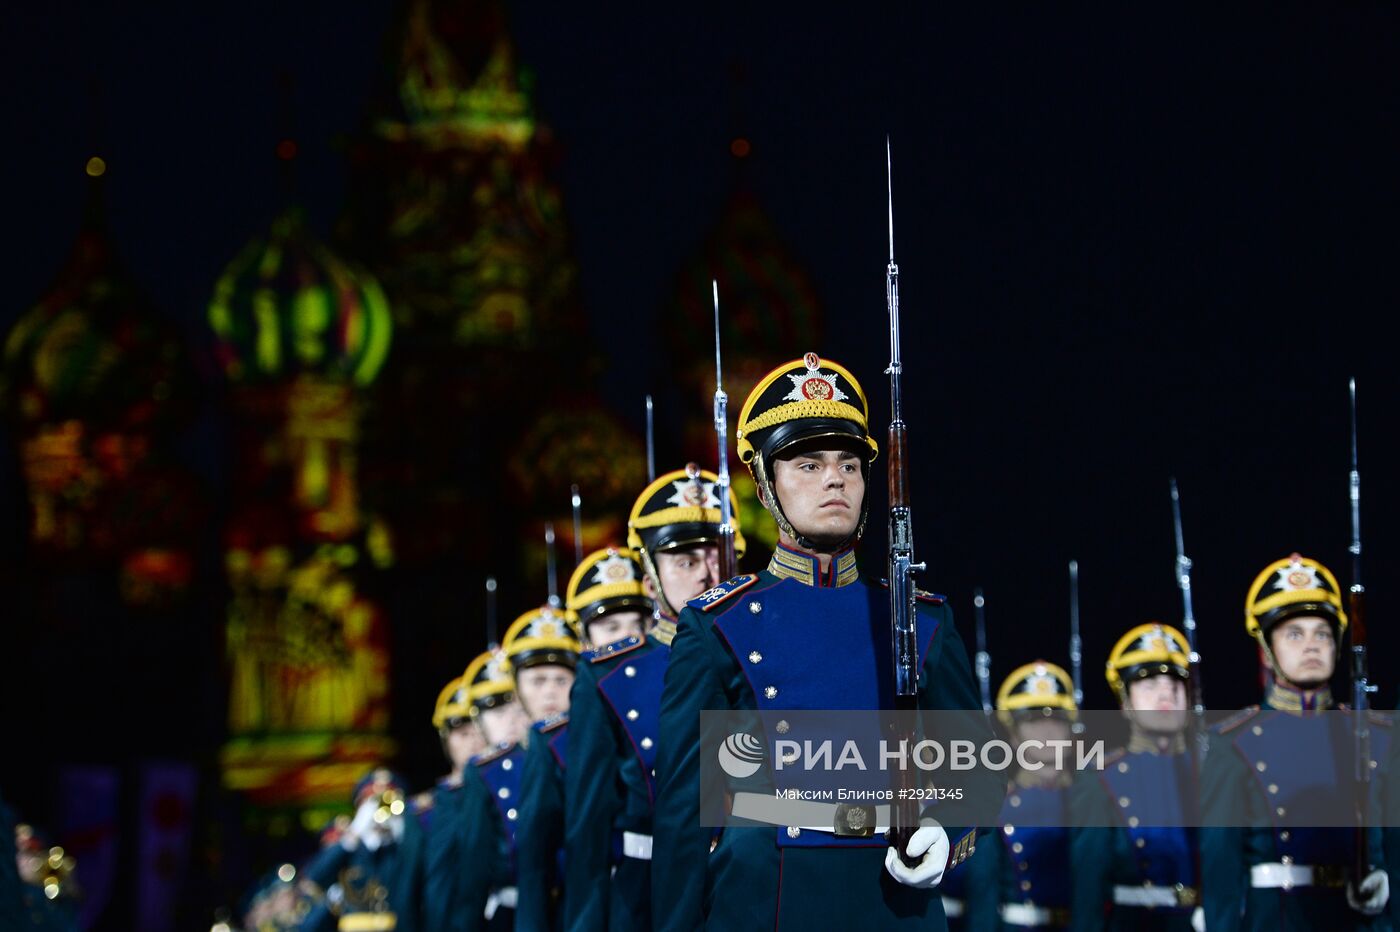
<point>854,821</point>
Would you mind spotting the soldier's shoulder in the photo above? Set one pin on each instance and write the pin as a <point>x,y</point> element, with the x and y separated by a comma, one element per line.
<point>487,758</point>
<point>616,649</point>
<point>1235,721</point>
<point>552,724</point>
<point>707,602</point>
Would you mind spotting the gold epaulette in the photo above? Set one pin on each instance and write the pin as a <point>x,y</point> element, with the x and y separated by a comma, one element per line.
<point>554,723</point>
<point>1236,720</point>
<point>616,649</point>
<point>963,849</point>
<point>706,601</point>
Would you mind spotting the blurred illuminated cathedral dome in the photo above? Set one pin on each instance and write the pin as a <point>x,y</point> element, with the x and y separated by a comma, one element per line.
<point>94,349</point>
<point>288,306</point>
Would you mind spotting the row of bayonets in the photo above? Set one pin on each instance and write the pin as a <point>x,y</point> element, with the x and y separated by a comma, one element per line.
<point>1362,688</point>
<point>728,558</point>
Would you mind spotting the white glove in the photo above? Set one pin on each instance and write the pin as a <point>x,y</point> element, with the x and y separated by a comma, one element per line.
<point>930,841</point>
<point>1198,919</point>
<point>1371,896</point>
<point>361,827</point>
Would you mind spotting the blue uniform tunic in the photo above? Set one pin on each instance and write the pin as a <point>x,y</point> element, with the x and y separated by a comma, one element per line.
<point>615,709</point>
<point>1027,866</point>
<point>539,838</point>
<point>443,873</point>
<point>792,637</point>
<point>490,803</point>
<point>1269,758</point>
<point>1147,794</point>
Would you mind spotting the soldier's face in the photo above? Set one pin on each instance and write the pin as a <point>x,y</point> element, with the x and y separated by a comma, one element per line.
<point>544,689</point>
<point>1305,651</point>
<point>463,743</point>
<point>821,492</point>
<point>1157,703</point>
<point>686,573</point>
<point>615,626</point>
<point>503,723</point>
<point>1041,731</point>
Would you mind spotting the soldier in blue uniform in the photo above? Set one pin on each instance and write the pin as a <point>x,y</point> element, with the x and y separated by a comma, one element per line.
<point>371,870</point>
<point>543,658</point>
<point>1260,869</point>
<point>1144,873</point>
<point>48,889</point>
<point>537,655</point>
<point>806,633</point>
<point>439,810</point>
<point>1020,880</point>
<point>674,528</point>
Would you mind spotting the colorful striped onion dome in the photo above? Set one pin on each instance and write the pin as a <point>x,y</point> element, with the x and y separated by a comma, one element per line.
<point>93,349</point>
<point>288,306</point>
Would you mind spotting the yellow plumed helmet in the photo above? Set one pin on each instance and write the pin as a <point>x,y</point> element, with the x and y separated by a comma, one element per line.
<point>607,580</point>
<point>489,681</point>
<point>678,509</point>
<point>452,703</point>
<point>800,400</point>
<point>1147,650</point>
<point>1290,587</point>
<point>1036,685</point>
<point>541,635</point>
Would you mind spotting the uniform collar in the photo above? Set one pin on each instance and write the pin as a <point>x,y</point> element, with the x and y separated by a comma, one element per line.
<point>664,629</point>
<point>1287,698</point>
<point>1144,742</point>
<point>807,569</point>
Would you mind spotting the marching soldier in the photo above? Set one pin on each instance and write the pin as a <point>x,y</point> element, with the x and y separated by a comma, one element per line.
<point>48,889</point>
<point>674,528</point>
<point>1144,873</point>
<point>1021,879</point>
<point>1263,866</point>
<point>439,810</point>
<point>544,668</point>
<point>541,639</point>
<point>371,868</point>
<point>806,633</point>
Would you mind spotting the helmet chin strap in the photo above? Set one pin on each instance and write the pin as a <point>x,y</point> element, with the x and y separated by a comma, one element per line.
<point>769,497</point>
<point>659,600</point>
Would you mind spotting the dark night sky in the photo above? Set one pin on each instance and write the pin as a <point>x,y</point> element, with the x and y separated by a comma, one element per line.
<point>1132,244</point>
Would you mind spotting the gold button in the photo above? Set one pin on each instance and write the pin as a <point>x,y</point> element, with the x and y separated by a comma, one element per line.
<point>755,656</point>
<point>794,831</point>
<point>1015,801</point>
<point>770,691</point>
<point>1258,730</point>
<point>507,764</point>
<point>1285,835</point>
<point>503,793</point>
<point>1016,847</point>
<point>1261,766</point>
<point>511,814</point>
<point>1132,821</point>
<point>629,671</point>
<point>755,607</point>
<point>1010,830</point>
<point>1273,788</point>
<point>1286,859</point>
<point>783,727</point>
<point>1124,802</point>
<point>1141,842</point>
<point>646,744</point>
<point>1123,766</point>
<point>633,715</point>
<point>1280,811</point>
<point>1025,885</point>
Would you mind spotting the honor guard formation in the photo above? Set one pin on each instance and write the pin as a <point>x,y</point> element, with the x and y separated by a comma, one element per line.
<point>573,798</point>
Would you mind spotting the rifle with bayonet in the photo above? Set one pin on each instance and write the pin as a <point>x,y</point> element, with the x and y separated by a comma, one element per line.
<point>576,503</point>
<point>984,659</point>
<point>901,550</point>
<point>651,444</point>
<point>550,568</point>
<point>1188,614</point>
<point>1076,646</point>
<point>728,559</point>
<point>1361,687</point>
